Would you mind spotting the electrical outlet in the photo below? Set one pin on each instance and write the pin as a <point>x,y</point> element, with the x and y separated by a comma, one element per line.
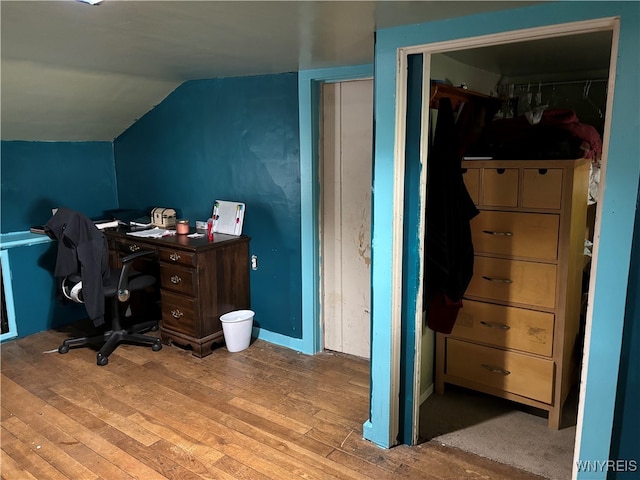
<point>254,262</point>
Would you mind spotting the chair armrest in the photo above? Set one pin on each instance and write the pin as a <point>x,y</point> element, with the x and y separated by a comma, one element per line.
<point>123,281</point>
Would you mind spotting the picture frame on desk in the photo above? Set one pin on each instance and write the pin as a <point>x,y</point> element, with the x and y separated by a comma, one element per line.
<point>228,217</point>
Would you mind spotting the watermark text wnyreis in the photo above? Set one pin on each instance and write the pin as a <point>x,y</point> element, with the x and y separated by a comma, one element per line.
<point>607,465</point>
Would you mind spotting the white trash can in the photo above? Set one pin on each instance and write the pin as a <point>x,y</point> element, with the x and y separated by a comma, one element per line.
<point>237,327</point>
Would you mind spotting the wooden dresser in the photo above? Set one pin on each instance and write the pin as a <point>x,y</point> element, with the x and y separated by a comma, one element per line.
<point>199,281</point>
<point>516,335</point>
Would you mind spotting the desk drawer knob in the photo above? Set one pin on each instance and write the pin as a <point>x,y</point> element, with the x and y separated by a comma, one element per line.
<point>134,248</point>
<point>496,370</point>
<point>174,257</point>
<point>176,279</point>
<point>176,313</point>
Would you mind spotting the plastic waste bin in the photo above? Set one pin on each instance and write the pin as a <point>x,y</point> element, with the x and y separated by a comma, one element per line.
<point>237,327</point>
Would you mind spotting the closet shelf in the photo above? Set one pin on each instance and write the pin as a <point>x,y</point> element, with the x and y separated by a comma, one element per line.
<point>458,96</point>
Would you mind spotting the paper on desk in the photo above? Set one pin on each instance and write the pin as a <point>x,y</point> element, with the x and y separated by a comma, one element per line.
<point>156,232</point>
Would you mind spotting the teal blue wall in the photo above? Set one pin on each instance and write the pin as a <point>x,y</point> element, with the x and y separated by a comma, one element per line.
<point>618,206</point>
<point>625,444</point>
<point>228,139</point>
<point>37,176</point>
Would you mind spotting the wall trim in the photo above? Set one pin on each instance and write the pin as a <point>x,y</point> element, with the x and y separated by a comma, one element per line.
<point>309,82</point>
<point>561,29</point>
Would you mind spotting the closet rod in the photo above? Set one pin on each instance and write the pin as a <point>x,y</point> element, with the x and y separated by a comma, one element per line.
<point>567,82</point>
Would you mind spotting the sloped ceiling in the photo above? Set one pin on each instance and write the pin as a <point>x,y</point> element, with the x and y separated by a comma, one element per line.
<point>75,72</point>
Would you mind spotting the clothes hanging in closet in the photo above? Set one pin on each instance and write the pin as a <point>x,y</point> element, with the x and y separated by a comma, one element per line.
<point>449,208</point>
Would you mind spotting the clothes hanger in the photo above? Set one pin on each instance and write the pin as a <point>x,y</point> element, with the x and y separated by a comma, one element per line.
<point>585,95</point>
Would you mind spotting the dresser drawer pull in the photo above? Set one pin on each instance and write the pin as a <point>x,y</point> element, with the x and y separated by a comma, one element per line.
<point>500,326</point>
<point>503,234</point>
<point>499,280</point>
<point>174,257</point>
<point>176,279</point>
<point>134,248</point>
<point>176,313</point>
<point>496,370</point>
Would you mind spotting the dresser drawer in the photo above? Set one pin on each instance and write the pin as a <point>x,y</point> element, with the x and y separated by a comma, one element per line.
<point>513,281</point>
<point>179,313</point>
<point>508,327</point>
<point>513,372</point>
<point>500,187</point>
<point>471,178</point>
<point>542,188</point>
<point>179,279</point>
<point>177,257</point>
<point>532,235</point>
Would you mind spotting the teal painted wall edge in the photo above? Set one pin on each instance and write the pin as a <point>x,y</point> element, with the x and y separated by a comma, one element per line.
<point>618,206</point>
<point>8,241</point>
<point>279,339</point>
<point>411,245</point>
<point>624,444</point>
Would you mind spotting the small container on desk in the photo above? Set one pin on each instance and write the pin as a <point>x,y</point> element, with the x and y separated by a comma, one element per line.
<point>182,227</point>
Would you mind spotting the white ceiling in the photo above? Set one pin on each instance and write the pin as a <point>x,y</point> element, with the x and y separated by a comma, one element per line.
<point>75,72</point>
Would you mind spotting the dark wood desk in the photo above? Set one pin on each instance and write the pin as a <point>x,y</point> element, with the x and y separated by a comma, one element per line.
<point>199,281</point>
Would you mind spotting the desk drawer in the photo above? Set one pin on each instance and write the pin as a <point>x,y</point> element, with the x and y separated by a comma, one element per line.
<point>177,257</point>
<point>131,246</point>
<point>179,279</point>
<point>179,313</point>
<point>513,372</point>
<point>515,281</point>
<point>507,327</point>
<point>528,235</point>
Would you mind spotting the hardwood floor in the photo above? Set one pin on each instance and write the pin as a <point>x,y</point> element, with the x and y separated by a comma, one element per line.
<point>264,413</point>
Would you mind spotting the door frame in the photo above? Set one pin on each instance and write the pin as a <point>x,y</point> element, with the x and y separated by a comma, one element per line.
<point>427,50</point>
<point>309,100</point>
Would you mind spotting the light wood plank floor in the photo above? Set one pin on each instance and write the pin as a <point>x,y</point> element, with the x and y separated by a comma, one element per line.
<point>265,413</point>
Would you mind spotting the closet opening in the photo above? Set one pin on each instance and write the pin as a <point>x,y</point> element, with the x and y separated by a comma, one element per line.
<point>529,139</point>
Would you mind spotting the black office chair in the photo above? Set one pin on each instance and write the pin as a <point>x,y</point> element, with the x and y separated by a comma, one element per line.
<point>83,266</point>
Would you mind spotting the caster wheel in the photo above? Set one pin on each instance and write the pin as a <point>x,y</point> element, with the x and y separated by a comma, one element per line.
<point>155,328</point>
<point>102,361</point>
<point>63,348</point>
<point>156,346</point>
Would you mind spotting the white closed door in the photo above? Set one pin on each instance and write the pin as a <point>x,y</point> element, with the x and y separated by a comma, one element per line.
<point>345,220</point>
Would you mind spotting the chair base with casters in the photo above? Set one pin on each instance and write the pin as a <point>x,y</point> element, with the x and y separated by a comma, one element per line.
<point>128,281</point>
